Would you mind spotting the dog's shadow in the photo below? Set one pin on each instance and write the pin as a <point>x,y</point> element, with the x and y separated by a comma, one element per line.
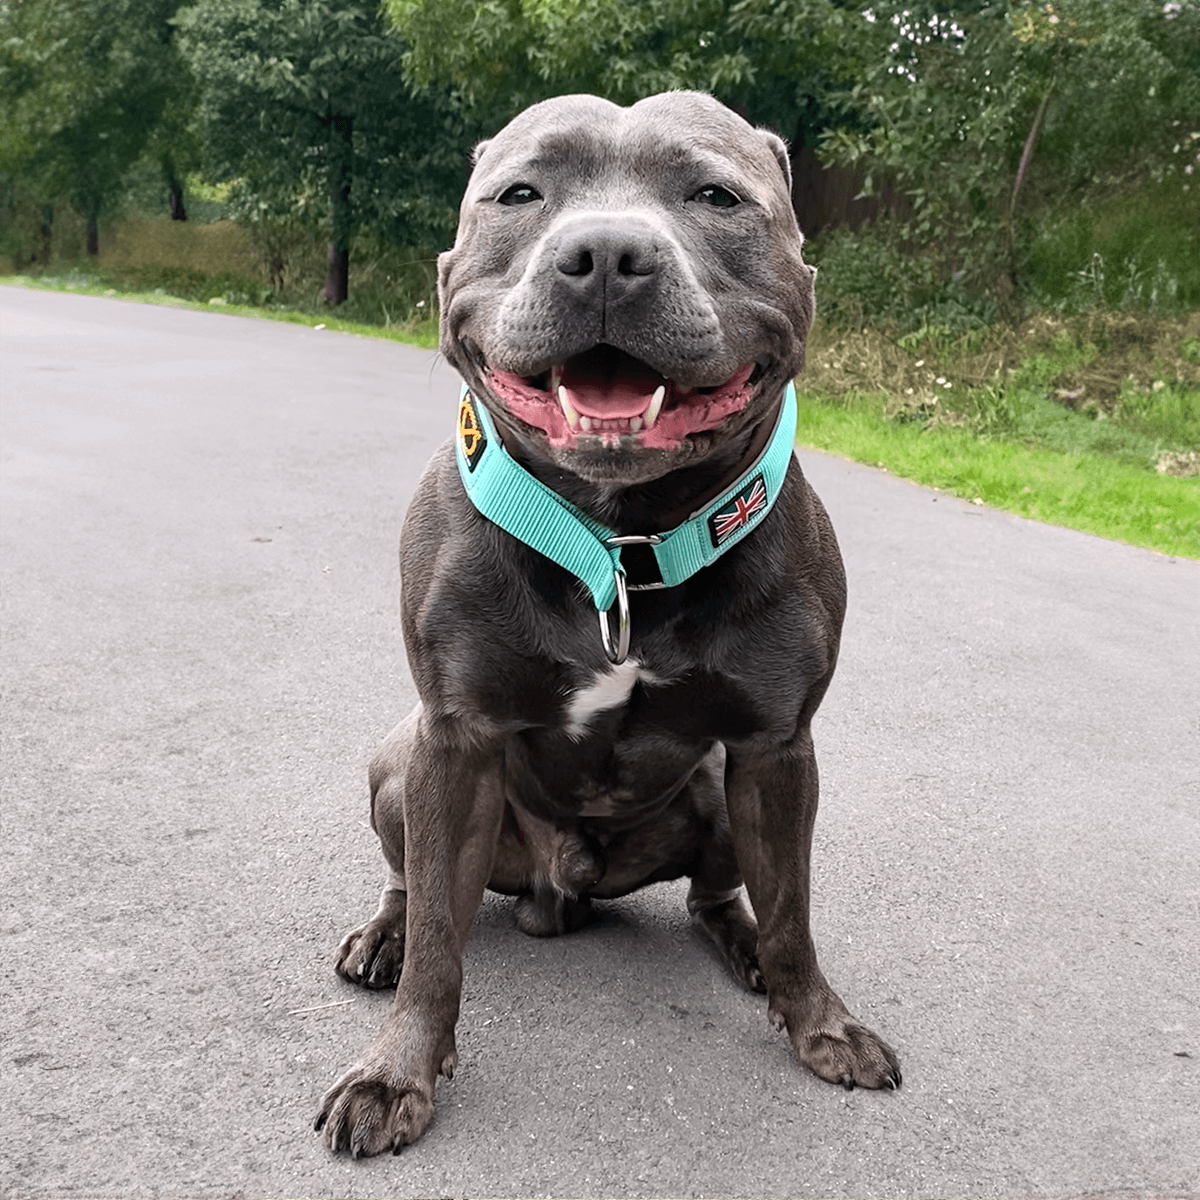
<point>638,950</point>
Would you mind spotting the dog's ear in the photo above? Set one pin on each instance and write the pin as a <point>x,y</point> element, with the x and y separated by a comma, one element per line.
<point>778,147</point>
<point>477,151</point>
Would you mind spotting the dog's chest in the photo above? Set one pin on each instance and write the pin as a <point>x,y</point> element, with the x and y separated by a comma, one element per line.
<point>603,692</point>
<point>620,741</point>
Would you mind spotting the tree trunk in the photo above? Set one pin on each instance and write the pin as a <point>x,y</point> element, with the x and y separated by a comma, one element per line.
<point>93,233</point>
<point>174,189</point>
<point>341,175</point>
<point>1027,152</point>
<point>46,229</point>
<point>1023,166</point>
<point>337,280</point>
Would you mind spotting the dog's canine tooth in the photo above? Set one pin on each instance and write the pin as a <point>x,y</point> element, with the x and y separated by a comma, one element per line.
<point>656,403</point>
<point>555,378</point>
<point>568,408</point>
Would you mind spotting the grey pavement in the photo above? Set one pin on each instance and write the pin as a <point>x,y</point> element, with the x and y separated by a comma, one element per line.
<point>200,650</point>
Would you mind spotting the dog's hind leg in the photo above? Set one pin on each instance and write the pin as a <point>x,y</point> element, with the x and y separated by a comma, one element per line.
<point>563,865</point>
<point>715,900</point>
<point>373,953</point>
<point>723,919</point>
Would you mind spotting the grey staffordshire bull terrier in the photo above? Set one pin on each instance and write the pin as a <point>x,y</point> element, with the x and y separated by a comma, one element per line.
<point>627,303</point>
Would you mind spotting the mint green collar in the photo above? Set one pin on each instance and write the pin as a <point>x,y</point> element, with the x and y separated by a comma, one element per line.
<point>509,496</point>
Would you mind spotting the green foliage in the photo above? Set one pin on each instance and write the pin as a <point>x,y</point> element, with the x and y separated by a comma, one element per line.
<point>1139,250</point>
<point>1170,414</point>
<point>983,111</point>
<point>1040,150</point>
<point>1117,386</point>
<point>304,106</point>
<point>869,277</point>
<point>775,63</point>
<point>1136,250</point>
<point>84,85</point>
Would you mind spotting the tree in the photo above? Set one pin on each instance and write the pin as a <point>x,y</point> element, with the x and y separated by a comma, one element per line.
<point>969,114</point>
<point>304,101</point>
<point>983,110</point>
<point>776,63</point>
<point>84,84</point>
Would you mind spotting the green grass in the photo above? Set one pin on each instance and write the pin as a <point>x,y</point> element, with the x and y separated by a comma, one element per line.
<point>91,283</point>
<point>1136,433</point>
<point>1088,492</point>
<point>1137,249</point>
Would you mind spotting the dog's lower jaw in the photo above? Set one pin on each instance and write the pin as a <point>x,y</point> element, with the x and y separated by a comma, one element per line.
<point>661,419</point>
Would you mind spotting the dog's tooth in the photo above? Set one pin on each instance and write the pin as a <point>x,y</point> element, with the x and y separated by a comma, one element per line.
<point>568,408</point>
<point>555,378</point>
<point>635,423</point>
<point>656,404</point>
<point>585,423</point>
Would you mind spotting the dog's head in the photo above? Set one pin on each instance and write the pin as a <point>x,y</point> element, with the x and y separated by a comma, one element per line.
<point>627,292</point>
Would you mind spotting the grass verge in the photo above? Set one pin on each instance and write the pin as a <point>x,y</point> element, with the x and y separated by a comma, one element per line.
<point>1004,440</point>
<point>423,333</point>
<point>1087,492</point>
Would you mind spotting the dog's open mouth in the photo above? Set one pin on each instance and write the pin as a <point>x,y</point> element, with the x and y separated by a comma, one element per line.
<point>608,394</point>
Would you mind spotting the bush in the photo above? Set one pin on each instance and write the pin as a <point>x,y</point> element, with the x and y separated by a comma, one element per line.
<point>867,277</point>
<point>1138,251</point>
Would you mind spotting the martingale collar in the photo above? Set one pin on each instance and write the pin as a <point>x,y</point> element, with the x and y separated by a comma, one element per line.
<point>509,496</point>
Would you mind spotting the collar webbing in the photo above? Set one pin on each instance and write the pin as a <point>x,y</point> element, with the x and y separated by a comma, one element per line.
<point>509,496</point>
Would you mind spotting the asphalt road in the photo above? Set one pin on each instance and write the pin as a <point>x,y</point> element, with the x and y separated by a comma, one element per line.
<point>200,651</point>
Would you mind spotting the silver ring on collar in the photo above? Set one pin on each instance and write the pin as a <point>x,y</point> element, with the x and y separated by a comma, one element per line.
<point>619,653</point>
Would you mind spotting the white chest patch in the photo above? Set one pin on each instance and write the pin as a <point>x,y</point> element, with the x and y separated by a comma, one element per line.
<point>605,690</point>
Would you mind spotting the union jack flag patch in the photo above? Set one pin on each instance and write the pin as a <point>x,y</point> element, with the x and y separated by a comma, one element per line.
<point>749,504</point>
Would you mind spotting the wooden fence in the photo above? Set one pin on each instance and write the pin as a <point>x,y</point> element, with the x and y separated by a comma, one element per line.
<point>828,197</point>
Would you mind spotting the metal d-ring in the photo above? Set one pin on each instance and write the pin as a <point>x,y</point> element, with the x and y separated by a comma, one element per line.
<point>622,605</point>
<point>618,656</point>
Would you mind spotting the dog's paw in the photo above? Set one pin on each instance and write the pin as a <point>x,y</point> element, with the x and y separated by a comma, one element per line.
<point>547,912</point>
<point>841,1050</point>
<point>371,955</point>
<point>371,1109</point>
<point>731,931</point>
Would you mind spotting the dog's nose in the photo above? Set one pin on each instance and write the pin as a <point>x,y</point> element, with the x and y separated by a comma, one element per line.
<point>596,257</point>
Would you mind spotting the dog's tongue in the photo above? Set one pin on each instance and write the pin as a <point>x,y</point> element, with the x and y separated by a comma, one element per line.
<point>607,383</point>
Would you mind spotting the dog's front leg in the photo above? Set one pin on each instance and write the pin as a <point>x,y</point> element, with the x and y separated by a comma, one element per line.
<point>772,799</point>
<point>453,802</point>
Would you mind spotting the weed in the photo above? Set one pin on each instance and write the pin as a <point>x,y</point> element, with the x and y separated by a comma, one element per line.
<point>1135,250</point>
<point>1020,418</point>
<point>868,278</point>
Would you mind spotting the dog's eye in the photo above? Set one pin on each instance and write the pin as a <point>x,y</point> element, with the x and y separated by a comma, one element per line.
<point>519,193</point>
<point>717,196</point>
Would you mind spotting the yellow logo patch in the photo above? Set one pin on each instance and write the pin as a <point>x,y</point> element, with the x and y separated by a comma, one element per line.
<point>471,439</point>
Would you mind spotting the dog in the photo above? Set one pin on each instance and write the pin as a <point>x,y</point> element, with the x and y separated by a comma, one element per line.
<point>621,600</point>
